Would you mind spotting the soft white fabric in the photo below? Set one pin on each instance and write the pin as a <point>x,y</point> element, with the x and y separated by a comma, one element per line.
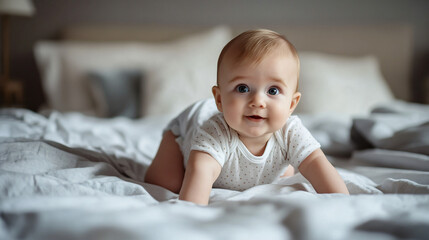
<point>240,168</point>
<point>340,84</point>
<point>182,80</point>
<point>184,124</point>
<point>76,177</point>
<point>64,67</point>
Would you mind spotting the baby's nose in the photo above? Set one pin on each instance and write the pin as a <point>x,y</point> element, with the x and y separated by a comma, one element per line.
<point>257,100</point>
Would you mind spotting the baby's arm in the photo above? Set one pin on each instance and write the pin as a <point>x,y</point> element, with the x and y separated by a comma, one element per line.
<point>322,175</point>
<point>201,172</point>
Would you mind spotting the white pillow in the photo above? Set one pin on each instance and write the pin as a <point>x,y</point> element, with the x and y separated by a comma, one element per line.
<point>339,84</point>
<point>184,80</point>
<point>172,89</point>
<point>64,66</point>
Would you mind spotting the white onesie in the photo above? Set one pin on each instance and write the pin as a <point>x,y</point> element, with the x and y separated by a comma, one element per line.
<point>202,127</point>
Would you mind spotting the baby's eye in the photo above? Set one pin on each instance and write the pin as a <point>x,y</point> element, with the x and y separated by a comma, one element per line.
<point>273,91</point>
<point>242,88</point>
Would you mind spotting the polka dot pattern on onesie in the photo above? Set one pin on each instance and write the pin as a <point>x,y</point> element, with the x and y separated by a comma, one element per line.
<point>240,168</point>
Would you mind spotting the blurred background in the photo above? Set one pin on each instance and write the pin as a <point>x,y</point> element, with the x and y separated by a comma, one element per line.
<point>51,16</point>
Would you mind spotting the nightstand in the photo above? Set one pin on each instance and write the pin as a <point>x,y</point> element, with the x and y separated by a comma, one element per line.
<point>426,89</point>
<point>12,94</point>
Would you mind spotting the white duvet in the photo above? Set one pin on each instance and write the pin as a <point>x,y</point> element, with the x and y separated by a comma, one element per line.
<point>68,176</point>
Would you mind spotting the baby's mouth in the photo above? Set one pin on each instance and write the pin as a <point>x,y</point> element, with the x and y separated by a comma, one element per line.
<point>255,118</point>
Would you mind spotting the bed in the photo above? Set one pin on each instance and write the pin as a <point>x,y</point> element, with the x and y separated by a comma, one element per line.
<point>75,169</point>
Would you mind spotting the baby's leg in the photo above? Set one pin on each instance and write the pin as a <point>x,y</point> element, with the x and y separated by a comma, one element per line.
<point>167,168</point>
<point>290,171</point>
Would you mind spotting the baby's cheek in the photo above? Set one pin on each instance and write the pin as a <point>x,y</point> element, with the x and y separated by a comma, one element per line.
<point>280,118</point>
<point>230,117</point>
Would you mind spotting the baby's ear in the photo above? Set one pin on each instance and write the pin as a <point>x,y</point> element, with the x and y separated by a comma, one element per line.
<point>295,100</point>
<point>216,95</point>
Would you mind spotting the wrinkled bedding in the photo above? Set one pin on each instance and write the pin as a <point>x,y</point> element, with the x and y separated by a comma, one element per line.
<point>70,176</point>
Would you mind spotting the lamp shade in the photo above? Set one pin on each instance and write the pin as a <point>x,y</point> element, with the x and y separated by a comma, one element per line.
<point>17,7</point>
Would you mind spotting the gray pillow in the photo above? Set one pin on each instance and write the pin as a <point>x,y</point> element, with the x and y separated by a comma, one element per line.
<point>116,92</point>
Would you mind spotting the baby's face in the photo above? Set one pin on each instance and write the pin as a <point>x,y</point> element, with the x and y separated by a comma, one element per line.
<point>257,99</point>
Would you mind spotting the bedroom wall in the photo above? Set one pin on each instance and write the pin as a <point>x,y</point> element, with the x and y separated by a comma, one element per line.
<point>53,15</point>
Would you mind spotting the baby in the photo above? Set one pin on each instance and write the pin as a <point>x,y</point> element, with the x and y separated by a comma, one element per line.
<point>246,136</point>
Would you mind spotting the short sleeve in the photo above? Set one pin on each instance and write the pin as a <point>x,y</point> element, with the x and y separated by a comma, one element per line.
<point>300,143</point>
<point>212,137</point>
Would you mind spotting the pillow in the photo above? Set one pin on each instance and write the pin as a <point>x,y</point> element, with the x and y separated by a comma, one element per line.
<point>339,84</point>
<point>64,66</point>
<point>174,88</point>
<point>116,93</point>
<point>185,78</point>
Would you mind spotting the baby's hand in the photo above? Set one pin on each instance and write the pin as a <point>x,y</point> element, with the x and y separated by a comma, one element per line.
<point>201,172</point>
<point>321,174</point>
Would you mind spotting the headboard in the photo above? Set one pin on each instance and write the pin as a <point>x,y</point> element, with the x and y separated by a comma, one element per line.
<point>391,44</point>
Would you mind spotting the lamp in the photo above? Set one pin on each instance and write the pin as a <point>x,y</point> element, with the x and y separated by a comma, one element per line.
<point>11,91</point>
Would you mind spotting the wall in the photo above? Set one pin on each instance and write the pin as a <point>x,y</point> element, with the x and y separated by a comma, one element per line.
<point>53,15</point>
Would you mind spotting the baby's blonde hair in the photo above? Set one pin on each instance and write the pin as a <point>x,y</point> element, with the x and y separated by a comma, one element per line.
<point>253,45</point>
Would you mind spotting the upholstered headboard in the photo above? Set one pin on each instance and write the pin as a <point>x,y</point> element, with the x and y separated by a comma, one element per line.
<point>391,44</point>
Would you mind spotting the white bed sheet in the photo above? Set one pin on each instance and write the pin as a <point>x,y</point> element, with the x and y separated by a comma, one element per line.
<point>69,176</point>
